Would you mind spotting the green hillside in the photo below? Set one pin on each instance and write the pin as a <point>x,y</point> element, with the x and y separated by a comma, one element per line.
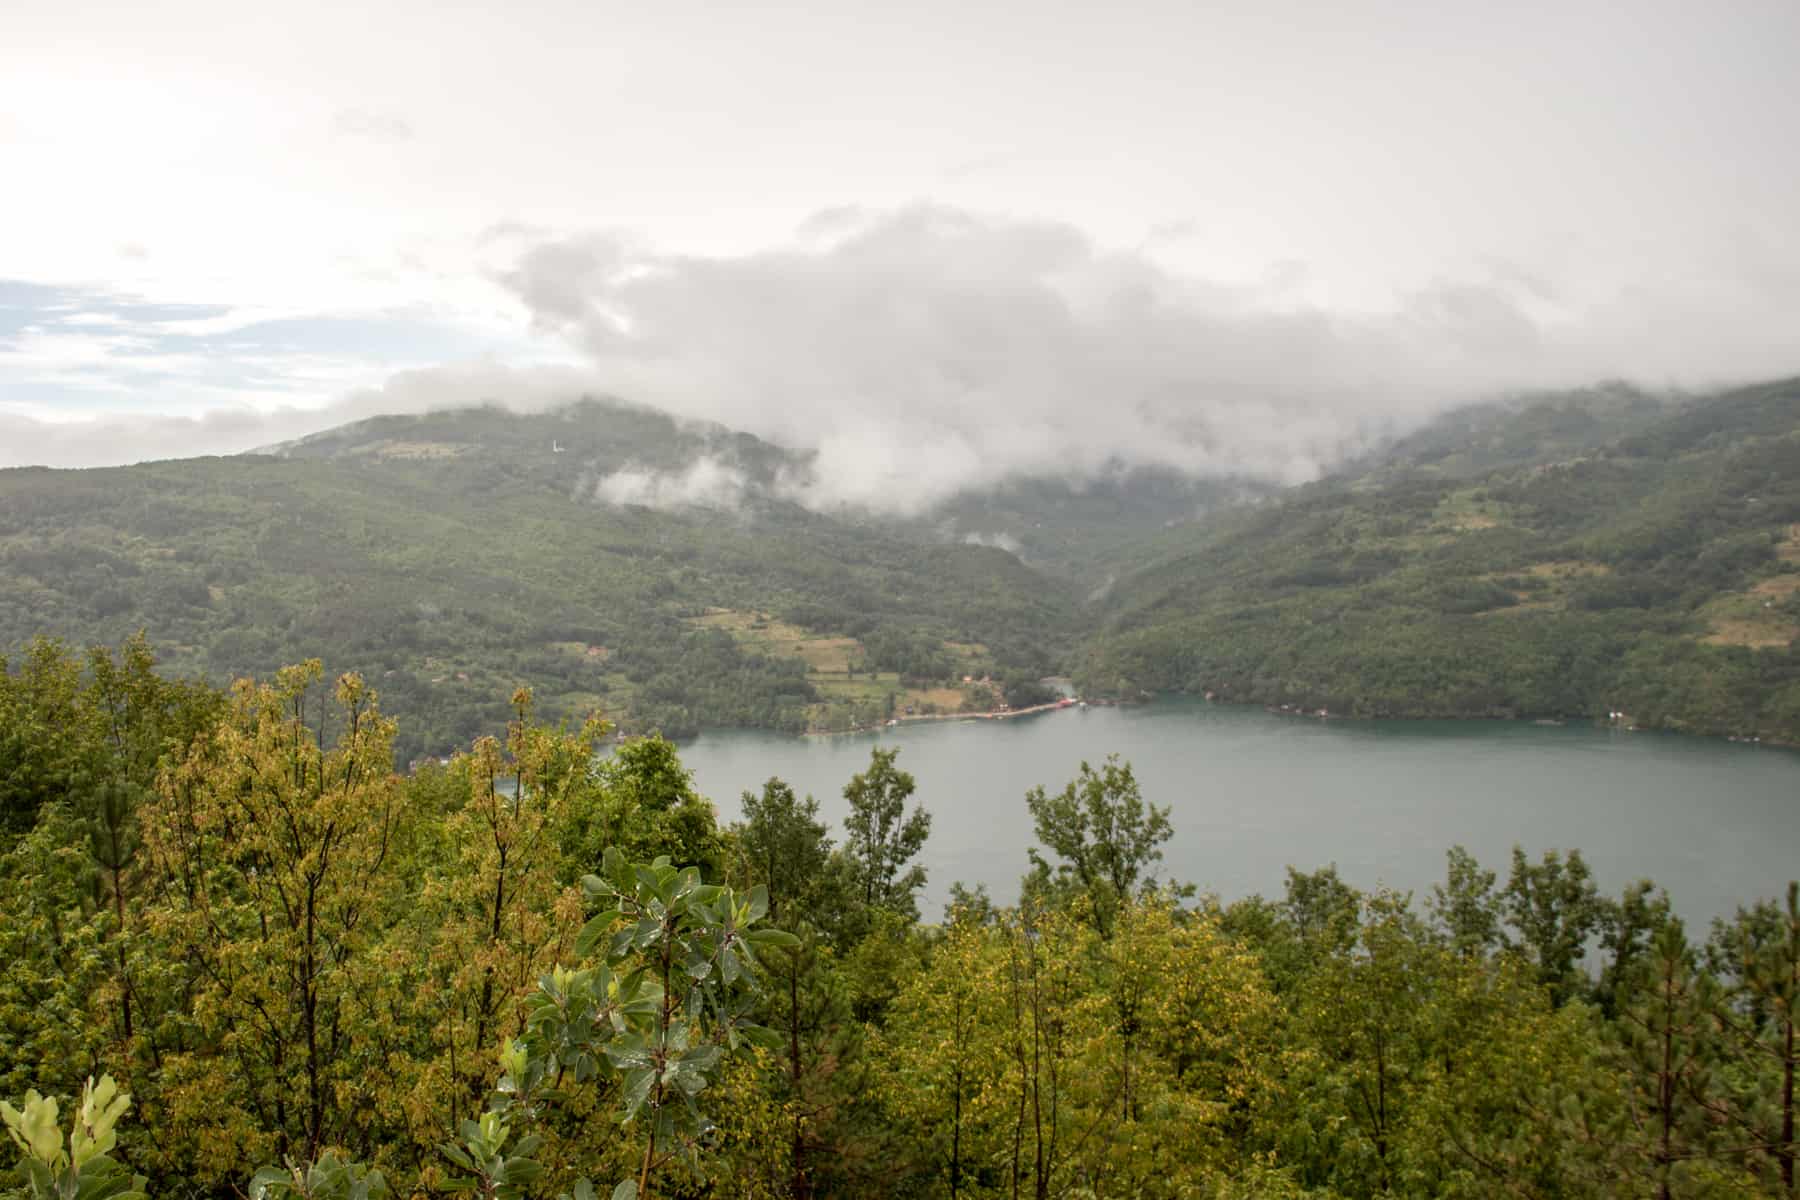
<point>1654,571</point>
<point>451,557</point>
<point>1572,555</point>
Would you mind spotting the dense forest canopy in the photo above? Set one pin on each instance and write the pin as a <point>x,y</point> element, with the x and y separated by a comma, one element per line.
<point>1575,555</point>
<point>246,956</point>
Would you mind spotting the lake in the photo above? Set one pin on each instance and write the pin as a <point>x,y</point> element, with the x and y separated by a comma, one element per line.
<point>1715,823</point>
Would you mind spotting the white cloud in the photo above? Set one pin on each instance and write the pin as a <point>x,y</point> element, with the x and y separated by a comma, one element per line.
<point>707,482</point>
<point>928,350</point>
<point>998,541</point>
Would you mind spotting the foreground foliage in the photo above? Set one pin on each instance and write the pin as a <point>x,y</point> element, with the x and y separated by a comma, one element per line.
<point>538,973</point>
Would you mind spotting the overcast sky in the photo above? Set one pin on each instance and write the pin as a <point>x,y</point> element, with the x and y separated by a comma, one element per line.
<point>937,239</point>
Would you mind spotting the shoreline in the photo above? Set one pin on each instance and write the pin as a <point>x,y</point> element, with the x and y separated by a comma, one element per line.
<point>1295,711</point>
<point>993,714</point>
<point>1618,723</point>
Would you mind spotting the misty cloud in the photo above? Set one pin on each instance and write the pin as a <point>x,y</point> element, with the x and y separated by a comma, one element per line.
<point>998,541</point>
<point>705,483</point>
<point>929,350</point>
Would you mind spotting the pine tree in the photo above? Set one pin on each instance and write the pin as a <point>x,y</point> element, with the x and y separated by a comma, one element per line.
<point>1761,958</point>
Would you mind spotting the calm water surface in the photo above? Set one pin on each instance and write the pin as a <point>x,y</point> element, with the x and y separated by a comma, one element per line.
<point>1713,822</point>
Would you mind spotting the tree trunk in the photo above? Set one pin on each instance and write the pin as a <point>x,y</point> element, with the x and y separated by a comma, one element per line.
<point>799,1187</point>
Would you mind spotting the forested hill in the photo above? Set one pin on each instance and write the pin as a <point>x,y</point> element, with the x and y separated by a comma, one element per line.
<point>1591,554</point>
<point>1568,556</point>
<point>451,557</point>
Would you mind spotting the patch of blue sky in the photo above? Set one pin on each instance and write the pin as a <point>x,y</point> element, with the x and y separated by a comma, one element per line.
<point>24,304</point>
<point>77,349</point>
<point>398,335</point>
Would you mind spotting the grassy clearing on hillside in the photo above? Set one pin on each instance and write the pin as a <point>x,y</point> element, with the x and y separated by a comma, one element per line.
<point>1468,511</point>
<point>851,695</point>
<point>1568,568</point>
<point>778,639</point>
<point>1789,549</point>
<point>1759,617</point>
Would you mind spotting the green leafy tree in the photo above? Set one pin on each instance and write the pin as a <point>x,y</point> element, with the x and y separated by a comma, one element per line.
<point>674,993</point>
<point>1362,1019</point>
<point>944,1061</point>
<point>275,850</point>
<point>1555,910</point>
<point>1628,929</point>
<point>1106,839</point>
<point>883,837</point>
<point>1321,911</point>
<point>494,1171</point>
<point>493,912</point>
<point>1504,1070</point>
<point>38,719</point>
<point>94,733</point>
<point>331,1178</point>
<point>787,849</point>
<point>1465,905</point>
<point>643,802</point>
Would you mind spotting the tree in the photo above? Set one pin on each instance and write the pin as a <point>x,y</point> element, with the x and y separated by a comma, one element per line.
<point>1555,910</point>
<point>493,912</point>
<point>644,803</point>
<point>943,1061</point>
<point>786,846</point>
<point>1759,953</point>
<point>38,716</point>
<point>273,848</point>
<point>657,1018</point>
<point>1628,929</point>
<point>1465,905</point>
<point>1504,1068</point>
<point>671,997</point>
<point>1190,1056</point>
<point>1665,1052</point>
<point>1107,839</point>
<point>87,743</point>
<point>1362,1014</point>
<point>1054,1021</point>
<point>884,837</point>
<point>787,849</point>
<point>1322,910</point>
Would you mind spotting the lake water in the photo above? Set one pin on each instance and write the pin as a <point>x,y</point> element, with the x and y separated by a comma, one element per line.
<point>1715,823</point>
